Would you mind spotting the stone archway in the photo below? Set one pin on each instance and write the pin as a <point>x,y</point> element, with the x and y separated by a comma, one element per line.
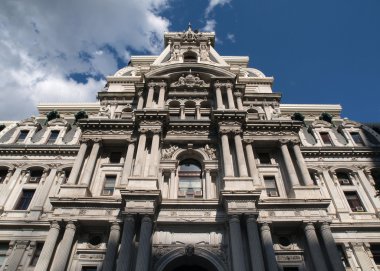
<point>190,259</point>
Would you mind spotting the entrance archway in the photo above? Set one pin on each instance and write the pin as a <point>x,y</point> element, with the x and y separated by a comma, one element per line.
<point>190,263</point>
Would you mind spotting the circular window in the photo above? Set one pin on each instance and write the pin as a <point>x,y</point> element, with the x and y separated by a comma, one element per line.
<point>284,241</point>
<point>95,240</point>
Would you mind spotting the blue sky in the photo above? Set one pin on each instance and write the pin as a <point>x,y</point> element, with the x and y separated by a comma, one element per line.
<point>318,52</point>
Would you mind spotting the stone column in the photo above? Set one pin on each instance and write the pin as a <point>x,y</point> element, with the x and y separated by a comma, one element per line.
<point>89,170</point>
<point>228,170</point>
<point>198,112</point>
<point>238,262</point>
<point>154,154</point>
<point>240,156</point>
<point>207,188</point>
<point>230,96</point>
<point>124,259</point>
<point>63,252</point>
<point>252,164</point>
<point>49,245</point>
<point>140,102</point>
<point>161,95</point>
<point>255,251</point>
<point>218,94</point>
<point>182,112</point>
<point>330,245</point>
<point>6,191</point>
<point>16,256</point>
<point>128,163</point>
<point>301,163</point>
<point>144,249</point>
<point>149,99</point>
<point>74,174</point>
<point>112,246</point>
<point>289,164</point>
<point>44,190</point>
<point>140,152</point>
<point>270,256</point>
<point>314,248</point>
<point>172,185</point>
<point>239,101</point>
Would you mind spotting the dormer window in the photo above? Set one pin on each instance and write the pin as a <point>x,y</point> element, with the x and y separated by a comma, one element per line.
<point>326,139</point>
<point>190,57</point>
<point>53,137</point>
<point>22,136</point>
<point>356,137</point>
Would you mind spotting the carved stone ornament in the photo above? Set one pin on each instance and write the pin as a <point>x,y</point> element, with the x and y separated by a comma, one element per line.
<point>168,152</point>
<point>189,35</point>
<point>189,250</point>
<point>189,81</point>
<point>210,151</point>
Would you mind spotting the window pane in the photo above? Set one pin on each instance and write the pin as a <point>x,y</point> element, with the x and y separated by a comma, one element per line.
<point>354,201</point>
<point>343,178</point>
<point>271,186</point>
<point>375,249</point>
<point>36,254</point>
<point>109,185</point>
<point>3,250</point>
<point>53,137</point>
<point>22,136</point>
<point>357,138</point>
<point>25,199</point>
<point>325,138</point>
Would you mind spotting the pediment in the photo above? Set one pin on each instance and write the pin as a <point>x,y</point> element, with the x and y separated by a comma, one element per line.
<point>350,124</point>
<point>58,122</point>
<point>321,124</point>
<point>29,122</point>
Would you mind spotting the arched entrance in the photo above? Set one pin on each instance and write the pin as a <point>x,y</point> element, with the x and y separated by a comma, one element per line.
<point>190,263</point>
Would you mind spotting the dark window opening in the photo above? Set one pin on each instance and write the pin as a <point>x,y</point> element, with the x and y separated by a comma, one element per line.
<point>326,138</point>
<point>190,179</point>
<point>190,57</point>
<point>358,140</point>
<point>115,157</point>
<point>354,201</point>
<point>271,186</point>
<point>3,175</point>
<point>343,178</point>
<point>25,199</point>
<point>3,252</point>
<point>109,185</point>
<point>53,137</point>
<point>37,253</point>
<point>264,158</point>
<point>290,268</point>
<point>35,175</point>
<point>343,256</point>
<point>375,250</point>
<point>22,136</point>
<point>89,268</point>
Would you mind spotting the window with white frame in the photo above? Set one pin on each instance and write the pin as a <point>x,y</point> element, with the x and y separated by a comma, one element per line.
<point>354,201</point>
<point>22,136</point>
<point>109,185</point>
<point>25,199</point>
<point>357,138</point>
<point>271,186</point>
<point>53,137</point>
<point>326,139</point>
<point>189,179</point>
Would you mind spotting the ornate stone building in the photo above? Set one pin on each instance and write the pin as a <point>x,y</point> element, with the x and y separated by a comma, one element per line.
<point>189,162</point>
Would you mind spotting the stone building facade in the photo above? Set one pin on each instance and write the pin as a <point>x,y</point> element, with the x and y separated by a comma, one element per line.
<point>189,162</point>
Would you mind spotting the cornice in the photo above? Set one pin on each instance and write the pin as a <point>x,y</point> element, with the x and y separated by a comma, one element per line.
<point>341,151</point>
<point>37,149</point>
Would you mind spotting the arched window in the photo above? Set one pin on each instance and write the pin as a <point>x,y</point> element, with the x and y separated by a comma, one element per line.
<point>189,179</point>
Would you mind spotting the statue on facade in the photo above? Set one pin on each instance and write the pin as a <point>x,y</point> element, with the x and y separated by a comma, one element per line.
<point>168,152</point>
<point>175,52</point>
<point>211,152</point>
<point>204,53</point>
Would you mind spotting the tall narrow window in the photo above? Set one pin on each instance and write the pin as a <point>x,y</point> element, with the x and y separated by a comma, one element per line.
<point>190,179</point>
<point>3,175</point>
<point>271,186</point>
<point>22,136</point>
<point>343,256</point>
<point>375,250</point>
<point>356,137</point>
<point>343,178</point>
<point>354,201</point>
<point>53,137</point>
<point>109,185</point>
<point>115,157</point>
<point>3,252</point>
<point>326,138</point>
<point>25,199</point>
<point>37,253</point>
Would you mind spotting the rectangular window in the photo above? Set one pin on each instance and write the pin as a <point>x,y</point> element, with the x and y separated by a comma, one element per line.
<point>53,137</point>
<point>115,157</point>
<point>35,175</point>
<point>354,201</point>
<point>37,253</point>
<point>326,138</point>
<point>343,256</point>
<point>358,140</point>
<point>89,268</point>
<point>375,250</point>
<point>25,199</point>
<point>22,136</point>
<point>271,186</point>
<point>3,252</point>
<point>264,158</point>
<point>3,175</point>
<point>290,268</point>
<point>109,185</point>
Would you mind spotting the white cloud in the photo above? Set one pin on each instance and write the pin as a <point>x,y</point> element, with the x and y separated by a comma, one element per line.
<point>210,26</point>
<point>231,37</point>
<point>42,42</point>
<point>213,3</point>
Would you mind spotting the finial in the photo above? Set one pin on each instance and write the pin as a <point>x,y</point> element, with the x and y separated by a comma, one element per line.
<point>189,26</point>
